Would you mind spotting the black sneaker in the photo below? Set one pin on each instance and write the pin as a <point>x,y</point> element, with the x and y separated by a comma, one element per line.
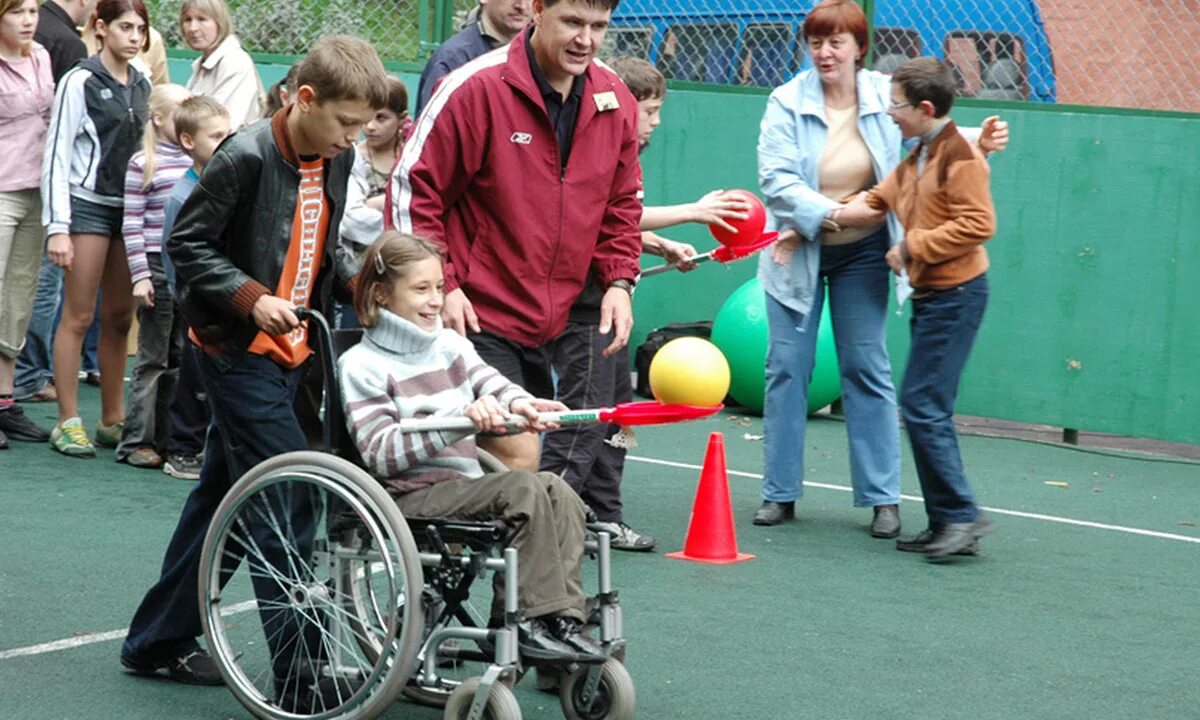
<point>194,667</point>
<point>16,426</point>
<point>314,697</point>
<point>184,467</point>
<point>3,441</point>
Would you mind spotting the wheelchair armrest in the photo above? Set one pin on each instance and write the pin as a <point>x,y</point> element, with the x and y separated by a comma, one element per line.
<point>481,535</point>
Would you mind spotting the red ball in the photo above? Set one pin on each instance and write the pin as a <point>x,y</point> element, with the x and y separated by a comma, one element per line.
<point>748,230</point>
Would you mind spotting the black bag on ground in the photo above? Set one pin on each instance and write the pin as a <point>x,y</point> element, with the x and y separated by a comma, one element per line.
<point>655,340</point>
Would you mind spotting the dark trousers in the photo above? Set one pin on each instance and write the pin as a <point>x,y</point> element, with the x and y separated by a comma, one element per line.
<point>189,411</point>
<point>581,454</point>
<point>155,370</point>
<point>253,420</point>
<point>944,324</point>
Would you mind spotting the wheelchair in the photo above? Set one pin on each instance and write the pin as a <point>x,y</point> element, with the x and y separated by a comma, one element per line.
<point>319,600</point>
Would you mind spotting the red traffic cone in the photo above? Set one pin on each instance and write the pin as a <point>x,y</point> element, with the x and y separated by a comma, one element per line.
<point>711,537</point>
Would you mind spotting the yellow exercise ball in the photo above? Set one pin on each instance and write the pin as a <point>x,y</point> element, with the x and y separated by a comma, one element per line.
<point>689,371</point>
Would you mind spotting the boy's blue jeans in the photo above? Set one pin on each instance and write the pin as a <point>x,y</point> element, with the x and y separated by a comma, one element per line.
<point>253,420</point>
<point>944,325</point>
<point>859,283</point>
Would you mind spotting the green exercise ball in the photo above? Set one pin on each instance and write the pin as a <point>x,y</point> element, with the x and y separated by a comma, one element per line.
<point>740,331</point>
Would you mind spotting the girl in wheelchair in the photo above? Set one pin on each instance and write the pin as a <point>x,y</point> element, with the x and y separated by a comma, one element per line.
<point>409,366</point>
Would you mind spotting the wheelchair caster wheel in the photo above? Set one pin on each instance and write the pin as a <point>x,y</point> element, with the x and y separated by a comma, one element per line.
<point>501,703</point>
<point>614,696</point>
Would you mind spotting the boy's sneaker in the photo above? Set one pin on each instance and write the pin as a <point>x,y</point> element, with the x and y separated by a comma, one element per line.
<point>109,436</point>
<point>16,426</point>
<point>69,438</point>
<point>184,467</point>
<point>625,537</point>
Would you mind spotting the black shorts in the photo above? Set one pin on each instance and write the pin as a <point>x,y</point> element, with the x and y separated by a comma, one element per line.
<point>528,367</point>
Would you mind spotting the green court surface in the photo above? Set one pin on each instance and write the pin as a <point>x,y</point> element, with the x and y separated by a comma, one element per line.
<point>1084,603</point>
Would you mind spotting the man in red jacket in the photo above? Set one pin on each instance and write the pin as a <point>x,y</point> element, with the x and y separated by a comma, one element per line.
<point>524,168</point>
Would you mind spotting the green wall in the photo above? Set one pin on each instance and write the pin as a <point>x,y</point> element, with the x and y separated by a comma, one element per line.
<point>1094,321</point>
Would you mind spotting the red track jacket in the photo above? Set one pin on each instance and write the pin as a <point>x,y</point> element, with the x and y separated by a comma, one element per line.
<point>480,175</point>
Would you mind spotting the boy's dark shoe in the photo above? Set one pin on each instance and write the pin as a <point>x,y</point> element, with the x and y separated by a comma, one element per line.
<point>313,697</point>
<point>17,426</point>
<point>921,540</point>
<point>194,667</point>
<point>3,441</point>
<point>184,467</point>
<point>953,537</point>
<point>887,522</point>
<point>773,513</point>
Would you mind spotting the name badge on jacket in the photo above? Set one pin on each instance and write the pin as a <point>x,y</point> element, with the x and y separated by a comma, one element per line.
<point>606,101</point>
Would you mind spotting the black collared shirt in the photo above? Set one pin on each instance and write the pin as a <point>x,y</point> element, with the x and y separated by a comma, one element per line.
<point>56,32</point>
<point>563,112</point>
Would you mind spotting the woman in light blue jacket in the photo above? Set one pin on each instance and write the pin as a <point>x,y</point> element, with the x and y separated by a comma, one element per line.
<point>826,135</point>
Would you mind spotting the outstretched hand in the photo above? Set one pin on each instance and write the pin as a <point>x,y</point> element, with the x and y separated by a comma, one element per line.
<point>717,207</point>
<point>993,136</point>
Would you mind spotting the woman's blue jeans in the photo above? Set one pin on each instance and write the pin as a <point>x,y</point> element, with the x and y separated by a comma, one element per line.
<point>858,281</point>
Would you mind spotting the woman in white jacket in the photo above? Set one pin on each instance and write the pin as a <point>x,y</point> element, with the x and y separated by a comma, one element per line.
<point>224,71</point>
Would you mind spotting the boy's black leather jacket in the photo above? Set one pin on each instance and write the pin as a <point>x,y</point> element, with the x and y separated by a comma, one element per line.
<point>231,237</point>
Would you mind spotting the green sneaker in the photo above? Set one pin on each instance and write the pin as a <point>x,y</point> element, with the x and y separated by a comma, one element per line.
<point>69,438</point>
<point>109,436</point>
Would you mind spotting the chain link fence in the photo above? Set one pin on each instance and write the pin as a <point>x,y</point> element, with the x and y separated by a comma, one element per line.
<point>1127,53</point>
<point>1124,53</point>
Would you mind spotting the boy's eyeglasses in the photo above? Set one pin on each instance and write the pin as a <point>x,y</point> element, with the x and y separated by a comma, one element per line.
<point>898,106</point>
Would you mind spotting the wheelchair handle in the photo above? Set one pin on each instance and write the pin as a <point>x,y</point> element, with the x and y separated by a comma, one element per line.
<point>325,356</point>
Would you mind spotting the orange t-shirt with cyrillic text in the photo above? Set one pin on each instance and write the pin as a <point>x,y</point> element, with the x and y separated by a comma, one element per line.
<point>300,268</point>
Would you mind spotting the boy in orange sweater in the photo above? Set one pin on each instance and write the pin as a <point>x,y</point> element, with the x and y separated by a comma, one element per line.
<point>941,195</point>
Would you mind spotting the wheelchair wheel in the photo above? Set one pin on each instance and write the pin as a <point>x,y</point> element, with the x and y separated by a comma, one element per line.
<point>615,695</point>
<point>300,655</point>
<point>501,704</point>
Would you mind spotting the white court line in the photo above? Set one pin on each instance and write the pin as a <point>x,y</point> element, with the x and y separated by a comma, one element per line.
<point>918,498</point>
<point>91,639</point>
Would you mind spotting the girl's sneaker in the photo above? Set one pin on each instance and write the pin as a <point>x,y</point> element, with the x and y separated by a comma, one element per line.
<point>109,436</point>
<point>143,457</point>
<point>69,438</point>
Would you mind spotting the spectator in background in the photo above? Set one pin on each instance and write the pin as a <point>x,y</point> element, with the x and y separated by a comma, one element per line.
<point>373,162</point>
<point>281,93</point>
<point>98,117</point>
<point>201,124</point>
<point>154,59</point>
<point>499,22</point>
<point>224,71</point>
<point>58,32</point>
<point>149,179</point>
<point>34,380</point>
<point>27,87</point>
